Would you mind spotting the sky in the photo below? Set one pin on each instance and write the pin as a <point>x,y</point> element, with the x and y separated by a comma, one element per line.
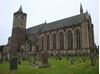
<point>40,10</point>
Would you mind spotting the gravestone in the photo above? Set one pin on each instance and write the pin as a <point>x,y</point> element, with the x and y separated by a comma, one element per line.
<point>58,55</point>
<point>93,59</point>
<point>6,58</point>
<point>13,63</point>
<point>34,59</point>
<point>84,58</point>
<point>72,59</point>
<point>44,59</point>
<point>19,62</point>
<point>1,58</point>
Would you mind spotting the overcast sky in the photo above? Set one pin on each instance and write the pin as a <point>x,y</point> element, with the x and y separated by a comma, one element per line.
<point>40,10</point>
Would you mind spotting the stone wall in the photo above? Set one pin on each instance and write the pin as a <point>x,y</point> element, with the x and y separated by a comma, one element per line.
<point>56,32</point>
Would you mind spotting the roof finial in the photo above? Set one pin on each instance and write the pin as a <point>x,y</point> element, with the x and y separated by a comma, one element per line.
<point>45,22</point>
<point>86,11</point>
<point>20,9</point>
<point>81,9</point>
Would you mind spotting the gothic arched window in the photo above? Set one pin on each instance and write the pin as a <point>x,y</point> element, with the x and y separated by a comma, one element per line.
<point>47,40</point>
<point>61,40</point>
<point>70,39</point>
<point>54,40</point>
<point>42,42</point>
<point>78,38</point>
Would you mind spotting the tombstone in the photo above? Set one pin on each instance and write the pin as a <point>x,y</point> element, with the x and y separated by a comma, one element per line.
<point>44,59</point>
<point>84,58</point>
<point>93,59</point>
<point>80,57</point>
<point>19,59</point>
<point>58,55</point>
<point>34,59</point>
<point>68,56</point>
<point>1,58</point>
<point>19,62</point>
<point>72,59</point>
<point>13,63</point>
<point>6,58</point>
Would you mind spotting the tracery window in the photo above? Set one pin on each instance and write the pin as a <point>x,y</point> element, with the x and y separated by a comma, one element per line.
<point>70,39</point>
<point>78,38</point>
<point>54,40</point>
<point>61,40</point>
<point>48,42</point>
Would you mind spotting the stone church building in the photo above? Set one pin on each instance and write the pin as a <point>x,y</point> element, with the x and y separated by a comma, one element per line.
<point>74,34</point>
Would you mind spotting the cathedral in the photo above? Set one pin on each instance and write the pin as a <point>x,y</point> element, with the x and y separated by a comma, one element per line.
<point>74,34</point>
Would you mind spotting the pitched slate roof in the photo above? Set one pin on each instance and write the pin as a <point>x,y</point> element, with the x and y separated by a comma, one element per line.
<point>58,24</point>
<point>34,29</point>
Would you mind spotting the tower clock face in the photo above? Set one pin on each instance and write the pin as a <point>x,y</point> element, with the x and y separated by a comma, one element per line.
<point>20,24</point>
<point>19,17</point>
<point>19,21</point>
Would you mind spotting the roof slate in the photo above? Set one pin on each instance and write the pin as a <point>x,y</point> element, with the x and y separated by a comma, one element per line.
<point>57,24</point>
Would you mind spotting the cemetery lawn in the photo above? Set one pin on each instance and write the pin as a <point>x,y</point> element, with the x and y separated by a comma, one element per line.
<point>57,67</point>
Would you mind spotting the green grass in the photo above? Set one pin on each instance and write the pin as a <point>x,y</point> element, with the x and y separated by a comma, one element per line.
<point>57,67</point>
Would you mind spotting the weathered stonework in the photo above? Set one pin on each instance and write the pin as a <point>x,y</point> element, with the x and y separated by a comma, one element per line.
<point>35,38</point>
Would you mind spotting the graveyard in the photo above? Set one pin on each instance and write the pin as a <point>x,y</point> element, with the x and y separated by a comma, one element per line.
<point>62,66</point>
<point>65,43</point>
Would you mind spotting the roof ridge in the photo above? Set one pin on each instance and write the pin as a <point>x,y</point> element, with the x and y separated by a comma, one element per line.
<point>35,26</point>
<point>66,18</point>
<point>57,24</point>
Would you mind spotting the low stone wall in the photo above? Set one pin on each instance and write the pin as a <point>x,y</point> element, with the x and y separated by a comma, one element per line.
<point>74,52</point>
<point>60,52</point>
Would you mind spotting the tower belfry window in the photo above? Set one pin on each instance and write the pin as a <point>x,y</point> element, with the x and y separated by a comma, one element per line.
<point>22,17</point>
